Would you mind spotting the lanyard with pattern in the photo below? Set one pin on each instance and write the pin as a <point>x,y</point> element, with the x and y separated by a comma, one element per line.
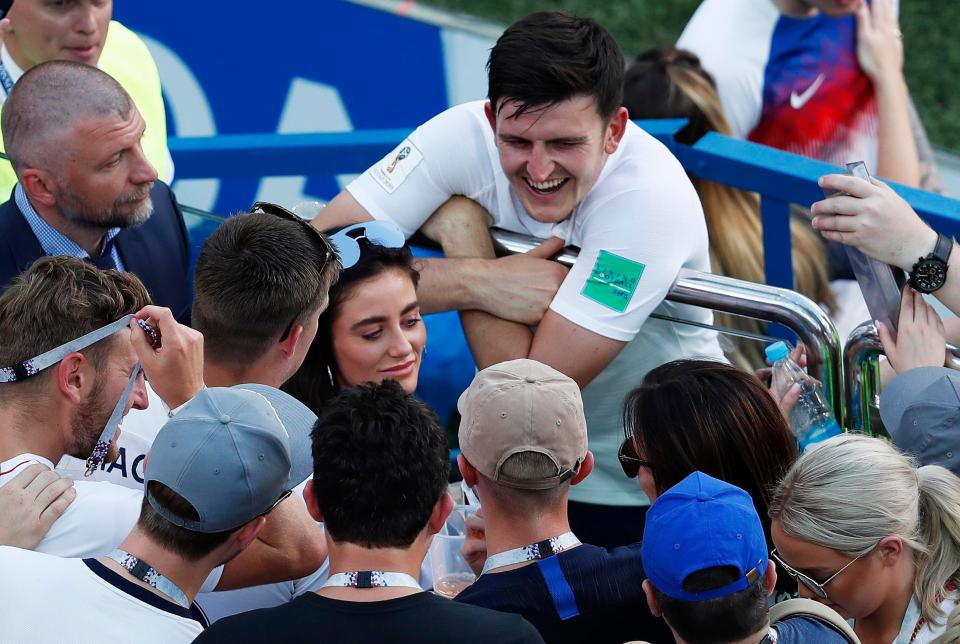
<point>531,552</point>
<point>149,575</point>
<point>372,579</point>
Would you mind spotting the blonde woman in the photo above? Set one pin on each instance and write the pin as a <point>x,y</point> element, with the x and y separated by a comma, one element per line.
<point>670,83</point>
<point>865,531</point>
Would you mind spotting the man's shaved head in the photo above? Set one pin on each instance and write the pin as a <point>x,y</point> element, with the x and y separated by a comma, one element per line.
<point>47,102</point>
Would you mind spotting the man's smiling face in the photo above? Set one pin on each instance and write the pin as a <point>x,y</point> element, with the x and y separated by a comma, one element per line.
<point>553,155</point>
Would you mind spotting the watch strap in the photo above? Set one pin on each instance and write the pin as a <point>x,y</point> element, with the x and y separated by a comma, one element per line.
<point>943,247</point>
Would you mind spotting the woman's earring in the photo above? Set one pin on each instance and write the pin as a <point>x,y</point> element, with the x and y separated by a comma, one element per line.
<point>423,351</point>
<point>333,385</point>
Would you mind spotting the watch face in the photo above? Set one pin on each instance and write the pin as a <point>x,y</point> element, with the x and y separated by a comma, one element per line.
<point>929,275</point>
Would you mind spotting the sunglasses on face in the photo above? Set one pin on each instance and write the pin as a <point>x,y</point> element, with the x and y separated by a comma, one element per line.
<point>816,587</point>
<point>629,461</point>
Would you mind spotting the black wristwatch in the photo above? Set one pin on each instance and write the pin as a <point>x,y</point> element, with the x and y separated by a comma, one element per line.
<point>930,273</point>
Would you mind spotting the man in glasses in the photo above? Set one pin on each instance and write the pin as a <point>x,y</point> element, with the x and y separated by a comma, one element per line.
<point>709,575</point>
<point>523,438</point>
<point>553,155</point>
<point>85,188</point>
<point>73,404</point>
<point>218,468</point>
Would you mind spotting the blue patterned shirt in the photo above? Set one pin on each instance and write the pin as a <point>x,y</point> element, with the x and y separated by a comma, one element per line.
<point>53,242</point>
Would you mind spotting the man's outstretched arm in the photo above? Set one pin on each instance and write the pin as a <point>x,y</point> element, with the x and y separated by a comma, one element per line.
<point>475,282</point>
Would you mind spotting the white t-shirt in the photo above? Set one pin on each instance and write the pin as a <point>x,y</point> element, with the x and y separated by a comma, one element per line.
<point>48,599</point>
<point>137,431</point>
<point>636,228</point>
<point>97,521</point>
<point>791,83</point>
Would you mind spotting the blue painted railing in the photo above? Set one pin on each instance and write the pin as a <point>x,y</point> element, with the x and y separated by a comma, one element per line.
<point>779,177</point>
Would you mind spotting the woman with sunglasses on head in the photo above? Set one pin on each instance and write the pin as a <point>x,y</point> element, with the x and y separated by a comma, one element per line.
<point>690,415</point>
<point>862,529</point>
<point>371,329</point>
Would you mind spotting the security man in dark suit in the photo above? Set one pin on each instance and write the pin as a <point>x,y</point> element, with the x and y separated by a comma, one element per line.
<point>85,187</point>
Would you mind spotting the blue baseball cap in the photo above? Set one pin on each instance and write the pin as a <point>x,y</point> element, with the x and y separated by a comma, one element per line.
<point>702,523</point>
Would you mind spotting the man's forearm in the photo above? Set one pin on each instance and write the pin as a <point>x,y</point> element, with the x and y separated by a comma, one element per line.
<point>450,284</point>
<point>897,158</point>
<point>290,546</point>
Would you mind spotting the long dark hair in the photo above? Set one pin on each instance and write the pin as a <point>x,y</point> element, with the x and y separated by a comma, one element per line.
<point>690,415</point>
<point>315,382</point>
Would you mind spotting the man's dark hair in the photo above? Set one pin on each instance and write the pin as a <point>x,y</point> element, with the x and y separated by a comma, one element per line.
<point>380,464</point>
<point>724,619</point>
<point>256,275</point>
<point>188,544</point>
<point>551,56</point>
<point>59,299</point>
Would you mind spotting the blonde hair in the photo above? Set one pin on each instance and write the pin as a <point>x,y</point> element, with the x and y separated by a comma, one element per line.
<point>821,500</point>
<point>671,83</point>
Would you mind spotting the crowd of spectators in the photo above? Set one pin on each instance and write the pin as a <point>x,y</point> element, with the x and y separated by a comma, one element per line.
<point>251,461</point>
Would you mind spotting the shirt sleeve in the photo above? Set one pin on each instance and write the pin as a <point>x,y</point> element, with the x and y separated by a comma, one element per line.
<point>631,253</point>
<point>732,43</point>
<point>444,157</point>
<point>96,522</point>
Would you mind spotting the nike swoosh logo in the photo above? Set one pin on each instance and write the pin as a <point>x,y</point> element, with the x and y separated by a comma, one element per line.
<point>799,100</point>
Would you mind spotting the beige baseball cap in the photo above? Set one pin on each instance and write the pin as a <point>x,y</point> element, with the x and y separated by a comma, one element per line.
<point>523,406</point>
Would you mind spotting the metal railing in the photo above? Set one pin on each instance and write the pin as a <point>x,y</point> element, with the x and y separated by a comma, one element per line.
<point>758,301</point>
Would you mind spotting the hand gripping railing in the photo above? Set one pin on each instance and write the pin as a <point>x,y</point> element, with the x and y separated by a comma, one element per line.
<point>759,301</point>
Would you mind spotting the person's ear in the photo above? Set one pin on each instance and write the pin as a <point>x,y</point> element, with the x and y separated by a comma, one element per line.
<point>310,498</point>
<point>249,532</point>
<point>39,186</point>
<point>441,510</point>
<point>771,577</point>
<point>585,468</point>
<point>288,346</point>
<point>652,602</point>
<point>491,117</point>
<point>74,377</point>
<point>615,130</point>
<point>890,549</point>
<point>469,472</point>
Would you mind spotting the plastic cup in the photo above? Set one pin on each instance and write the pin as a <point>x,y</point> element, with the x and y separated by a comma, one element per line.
<point>451,572</point>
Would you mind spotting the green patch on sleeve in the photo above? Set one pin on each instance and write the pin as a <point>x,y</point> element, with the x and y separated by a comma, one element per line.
<point>613,281</point>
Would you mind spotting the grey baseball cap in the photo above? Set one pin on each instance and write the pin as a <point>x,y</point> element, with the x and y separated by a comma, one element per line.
<point>232,453</point>
<point>921,410</point>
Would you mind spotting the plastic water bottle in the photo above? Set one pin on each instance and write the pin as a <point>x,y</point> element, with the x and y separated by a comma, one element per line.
<point>810,419</point>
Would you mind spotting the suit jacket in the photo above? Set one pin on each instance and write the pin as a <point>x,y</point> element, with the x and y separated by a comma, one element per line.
<point>158,252</point>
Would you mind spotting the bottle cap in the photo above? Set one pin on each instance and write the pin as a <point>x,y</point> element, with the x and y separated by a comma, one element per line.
<point>777,351</point>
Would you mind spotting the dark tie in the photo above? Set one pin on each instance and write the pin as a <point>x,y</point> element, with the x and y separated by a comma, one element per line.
<point>106,257</point>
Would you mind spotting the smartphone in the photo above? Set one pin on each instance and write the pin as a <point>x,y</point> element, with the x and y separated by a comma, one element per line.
<point>880,283</point>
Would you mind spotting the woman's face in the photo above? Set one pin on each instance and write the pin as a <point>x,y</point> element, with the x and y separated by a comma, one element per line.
<point>378,333</point>
<point>855,593</point>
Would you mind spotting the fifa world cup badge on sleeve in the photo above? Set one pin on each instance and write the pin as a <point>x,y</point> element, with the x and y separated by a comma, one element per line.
<point>613,281</point>
<point>394,168</point>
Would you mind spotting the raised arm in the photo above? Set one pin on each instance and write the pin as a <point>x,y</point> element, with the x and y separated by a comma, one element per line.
<point>880,53</point>
<point>876,220</point>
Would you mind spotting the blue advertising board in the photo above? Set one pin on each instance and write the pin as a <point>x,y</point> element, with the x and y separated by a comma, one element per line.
<point>299,67</point>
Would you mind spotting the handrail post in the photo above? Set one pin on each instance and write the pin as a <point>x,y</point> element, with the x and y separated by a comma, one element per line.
<point>861,368</point>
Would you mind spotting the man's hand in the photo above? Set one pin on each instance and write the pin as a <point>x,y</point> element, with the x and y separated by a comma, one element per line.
<point>31,503</point>
<point>879,42</point>
<point>474,548</point>
<point>920,340</point>
<point>175,370</point>
<point>874,219</point>
<point>525,285</point>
